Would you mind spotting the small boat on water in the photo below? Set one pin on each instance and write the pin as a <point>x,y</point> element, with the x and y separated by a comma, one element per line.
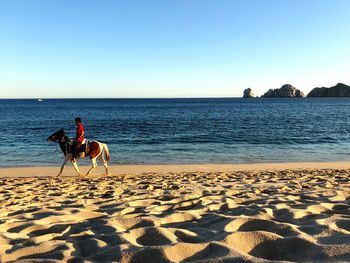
<point>40,100</point>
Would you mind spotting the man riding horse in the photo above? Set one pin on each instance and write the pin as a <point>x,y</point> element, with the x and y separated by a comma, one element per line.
<point>79,149</point>
<point>79,138</point>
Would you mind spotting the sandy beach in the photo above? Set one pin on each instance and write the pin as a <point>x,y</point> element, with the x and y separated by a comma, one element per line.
<point>177,213</point>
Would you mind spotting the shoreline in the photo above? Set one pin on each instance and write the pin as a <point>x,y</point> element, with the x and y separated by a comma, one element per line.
<point>48,171</point>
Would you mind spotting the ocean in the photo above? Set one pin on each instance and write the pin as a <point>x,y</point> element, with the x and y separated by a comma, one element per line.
<point>180,131</point>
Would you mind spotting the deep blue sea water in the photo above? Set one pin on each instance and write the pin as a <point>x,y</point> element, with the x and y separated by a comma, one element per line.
<point>164,131</point>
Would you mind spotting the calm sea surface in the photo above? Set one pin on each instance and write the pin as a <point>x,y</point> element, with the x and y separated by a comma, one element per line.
<point>160,131</point>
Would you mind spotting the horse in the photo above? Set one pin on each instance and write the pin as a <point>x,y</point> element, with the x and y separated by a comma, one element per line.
<point>97,150</point>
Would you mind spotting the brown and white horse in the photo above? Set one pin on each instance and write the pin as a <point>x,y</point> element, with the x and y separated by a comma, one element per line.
<point>97,150</point>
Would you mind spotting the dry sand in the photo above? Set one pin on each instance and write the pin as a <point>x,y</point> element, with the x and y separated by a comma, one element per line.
<point>210,213</point>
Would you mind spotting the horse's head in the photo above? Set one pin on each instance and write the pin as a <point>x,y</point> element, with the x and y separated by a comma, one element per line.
<point>56,136</point>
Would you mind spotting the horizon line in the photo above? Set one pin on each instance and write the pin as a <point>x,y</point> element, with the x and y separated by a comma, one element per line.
<point>145,98</point>
<point>57,98</point>
<point>161,98</point>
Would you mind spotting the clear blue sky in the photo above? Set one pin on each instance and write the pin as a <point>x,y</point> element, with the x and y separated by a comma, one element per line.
<point>182,48</point>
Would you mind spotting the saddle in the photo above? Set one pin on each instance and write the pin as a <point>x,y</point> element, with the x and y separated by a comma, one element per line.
<point>81,150</point>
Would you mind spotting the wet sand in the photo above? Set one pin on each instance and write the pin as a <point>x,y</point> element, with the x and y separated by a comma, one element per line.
<point>173,168</point>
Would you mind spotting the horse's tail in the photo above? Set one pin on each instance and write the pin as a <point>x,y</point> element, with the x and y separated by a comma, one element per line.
<point>106,151</point>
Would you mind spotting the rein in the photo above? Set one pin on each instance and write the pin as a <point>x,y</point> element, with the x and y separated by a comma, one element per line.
<point>58,145</point>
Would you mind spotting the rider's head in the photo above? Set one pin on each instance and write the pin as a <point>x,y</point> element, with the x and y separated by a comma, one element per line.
<point>77,120</point>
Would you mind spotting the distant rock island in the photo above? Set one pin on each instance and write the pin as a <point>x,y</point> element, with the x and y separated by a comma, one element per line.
<point>248,94</point>
<point>339,90</point>
<point>286,91</point>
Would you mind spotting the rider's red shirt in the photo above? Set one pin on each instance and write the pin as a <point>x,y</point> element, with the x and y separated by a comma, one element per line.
<point>80,131</point>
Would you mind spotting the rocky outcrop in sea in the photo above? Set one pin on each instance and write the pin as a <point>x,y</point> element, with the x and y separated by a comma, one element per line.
<point>339,90</point>
<point>286,91</point>
<point>248,94</point>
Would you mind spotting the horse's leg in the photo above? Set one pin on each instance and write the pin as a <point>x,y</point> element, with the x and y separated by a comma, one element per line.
<point>102,159</point>
<point>63,165</point>
<point>93,165</point>
<point>75,165</point>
